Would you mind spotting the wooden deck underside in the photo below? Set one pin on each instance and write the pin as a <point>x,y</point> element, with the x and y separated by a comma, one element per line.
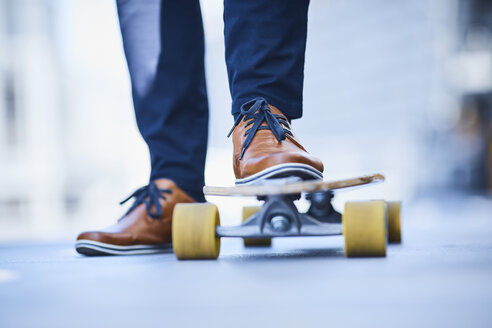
<point>291,188</point>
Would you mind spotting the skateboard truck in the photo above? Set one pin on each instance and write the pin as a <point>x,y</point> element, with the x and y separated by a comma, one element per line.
<point>321,207</point>
<point>279,217</point>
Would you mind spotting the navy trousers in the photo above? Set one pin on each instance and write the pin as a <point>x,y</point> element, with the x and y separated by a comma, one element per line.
<point>163,40</point>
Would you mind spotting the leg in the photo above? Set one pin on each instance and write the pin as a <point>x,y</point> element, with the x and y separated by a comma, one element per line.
<point>164,47</point>
<point>265,45</point>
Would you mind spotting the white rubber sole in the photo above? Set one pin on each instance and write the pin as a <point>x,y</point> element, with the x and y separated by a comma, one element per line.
<point>303,171</point>
<point>95,248</point>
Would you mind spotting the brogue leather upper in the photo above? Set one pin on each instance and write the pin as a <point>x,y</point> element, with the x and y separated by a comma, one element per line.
<point>265,150</point>
<point>137,227</point>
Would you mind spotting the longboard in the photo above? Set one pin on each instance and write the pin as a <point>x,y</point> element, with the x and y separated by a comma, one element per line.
<point>367,226</point>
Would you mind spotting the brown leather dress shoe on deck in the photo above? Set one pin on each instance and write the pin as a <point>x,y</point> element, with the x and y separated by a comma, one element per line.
<point>265,146</point>
<point>144,229</point>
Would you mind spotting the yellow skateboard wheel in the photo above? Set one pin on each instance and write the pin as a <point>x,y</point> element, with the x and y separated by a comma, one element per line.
<point>252,242</point>
<point>364,228</point>
<point>193,231</point>
<point>394,223</point>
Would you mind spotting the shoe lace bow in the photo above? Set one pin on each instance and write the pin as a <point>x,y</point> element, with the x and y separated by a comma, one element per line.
<point>256,112</point>
<point>149,195</point>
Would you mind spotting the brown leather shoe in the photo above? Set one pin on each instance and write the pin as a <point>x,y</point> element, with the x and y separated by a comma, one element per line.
<point>144,229</point>
<point>265,146</point>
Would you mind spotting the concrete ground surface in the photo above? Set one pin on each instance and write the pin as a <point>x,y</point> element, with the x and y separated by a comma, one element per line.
<point>441,276</point>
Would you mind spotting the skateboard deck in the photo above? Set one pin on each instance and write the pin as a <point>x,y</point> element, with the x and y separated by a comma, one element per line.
<point>290,186</point>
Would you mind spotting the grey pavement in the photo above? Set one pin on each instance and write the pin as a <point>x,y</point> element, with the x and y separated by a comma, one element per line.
<point>440,276</point>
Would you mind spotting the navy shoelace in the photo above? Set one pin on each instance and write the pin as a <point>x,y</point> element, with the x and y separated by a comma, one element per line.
<point>256,112</point>
<point>149,195</point>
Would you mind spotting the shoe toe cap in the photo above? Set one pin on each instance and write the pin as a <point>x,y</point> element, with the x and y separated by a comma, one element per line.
<point>91,235</point>
<point>253,165</point>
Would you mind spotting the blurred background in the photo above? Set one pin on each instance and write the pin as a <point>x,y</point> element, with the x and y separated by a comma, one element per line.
<point>398,87</point>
